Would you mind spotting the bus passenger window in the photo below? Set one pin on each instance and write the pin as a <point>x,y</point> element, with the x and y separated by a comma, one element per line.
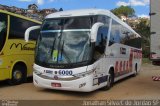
<point>115,36</point>
<point>23,25</point>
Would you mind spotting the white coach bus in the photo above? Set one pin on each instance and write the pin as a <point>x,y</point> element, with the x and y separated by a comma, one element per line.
<point>84,50</point>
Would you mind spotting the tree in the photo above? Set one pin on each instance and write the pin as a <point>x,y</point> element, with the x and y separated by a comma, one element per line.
<point>143,29</point>
<point>61,9</point>
<point>123,10</point>
<point>33,7</point>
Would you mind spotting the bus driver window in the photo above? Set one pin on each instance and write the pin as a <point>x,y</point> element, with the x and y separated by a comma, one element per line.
<point>100,42</point>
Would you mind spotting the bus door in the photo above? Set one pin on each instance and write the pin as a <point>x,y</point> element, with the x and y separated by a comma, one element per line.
<point>100,45</point>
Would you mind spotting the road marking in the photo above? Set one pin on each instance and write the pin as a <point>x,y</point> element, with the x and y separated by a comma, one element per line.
<point>156,78</point>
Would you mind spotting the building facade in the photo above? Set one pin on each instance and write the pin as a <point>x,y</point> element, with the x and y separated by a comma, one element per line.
<point>155,30</point>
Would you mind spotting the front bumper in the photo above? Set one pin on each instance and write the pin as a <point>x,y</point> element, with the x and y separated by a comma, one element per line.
<point>84,84</point>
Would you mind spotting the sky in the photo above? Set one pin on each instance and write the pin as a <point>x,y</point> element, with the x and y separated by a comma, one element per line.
<point>141,7</point>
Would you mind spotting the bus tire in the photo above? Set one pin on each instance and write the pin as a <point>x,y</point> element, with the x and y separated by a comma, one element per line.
<point>18,74</point>
<point>110,80</point>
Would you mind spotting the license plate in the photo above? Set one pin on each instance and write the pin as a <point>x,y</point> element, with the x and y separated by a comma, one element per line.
<point>56,85</point>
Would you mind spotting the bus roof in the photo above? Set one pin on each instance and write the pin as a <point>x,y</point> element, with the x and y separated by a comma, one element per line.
<point>20,16</point>
<point>81,12</point>
<point>88,12</point>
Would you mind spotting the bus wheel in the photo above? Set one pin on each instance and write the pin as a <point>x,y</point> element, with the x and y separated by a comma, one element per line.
<point>18,75</point>
<point>110,80</point>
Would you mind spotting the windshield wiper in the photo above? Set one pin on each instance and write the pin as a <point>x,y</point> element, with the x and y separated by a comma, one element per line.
<point>65,55</point>
<point>53,46</point>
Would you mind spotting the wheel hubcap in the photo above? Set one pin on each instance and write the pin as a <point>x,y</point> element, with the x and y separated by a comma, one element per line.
<point>17,75</point>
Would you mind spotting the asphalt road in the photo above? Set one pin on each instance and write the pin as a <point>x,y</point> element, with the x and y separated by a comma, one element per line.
<point>140,87</point>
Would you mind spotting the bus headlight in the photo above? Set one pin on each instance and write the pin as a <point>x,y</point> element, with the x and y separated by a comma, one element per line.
<point>84,74</point>
<point>37,72</point>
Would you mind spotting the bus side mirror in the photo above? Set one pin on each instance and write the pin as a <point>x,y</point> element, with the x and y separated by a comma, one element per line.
<point>27,32</point>
<point>94,31</point>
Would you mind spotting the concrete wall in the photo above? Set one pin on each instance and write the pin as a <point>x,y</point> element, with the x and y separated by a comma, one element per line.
<point>155,26</point>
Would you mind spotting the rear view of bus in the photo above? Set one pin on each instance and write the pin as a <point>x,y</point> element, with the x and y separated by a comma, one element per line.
<point>74,51</point>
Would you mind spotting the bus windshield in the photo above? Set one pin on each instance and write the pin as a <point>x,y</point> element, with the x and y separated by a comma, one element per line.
<point>67,47</point>
<point>3,30</point>
<point>65,42</point>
